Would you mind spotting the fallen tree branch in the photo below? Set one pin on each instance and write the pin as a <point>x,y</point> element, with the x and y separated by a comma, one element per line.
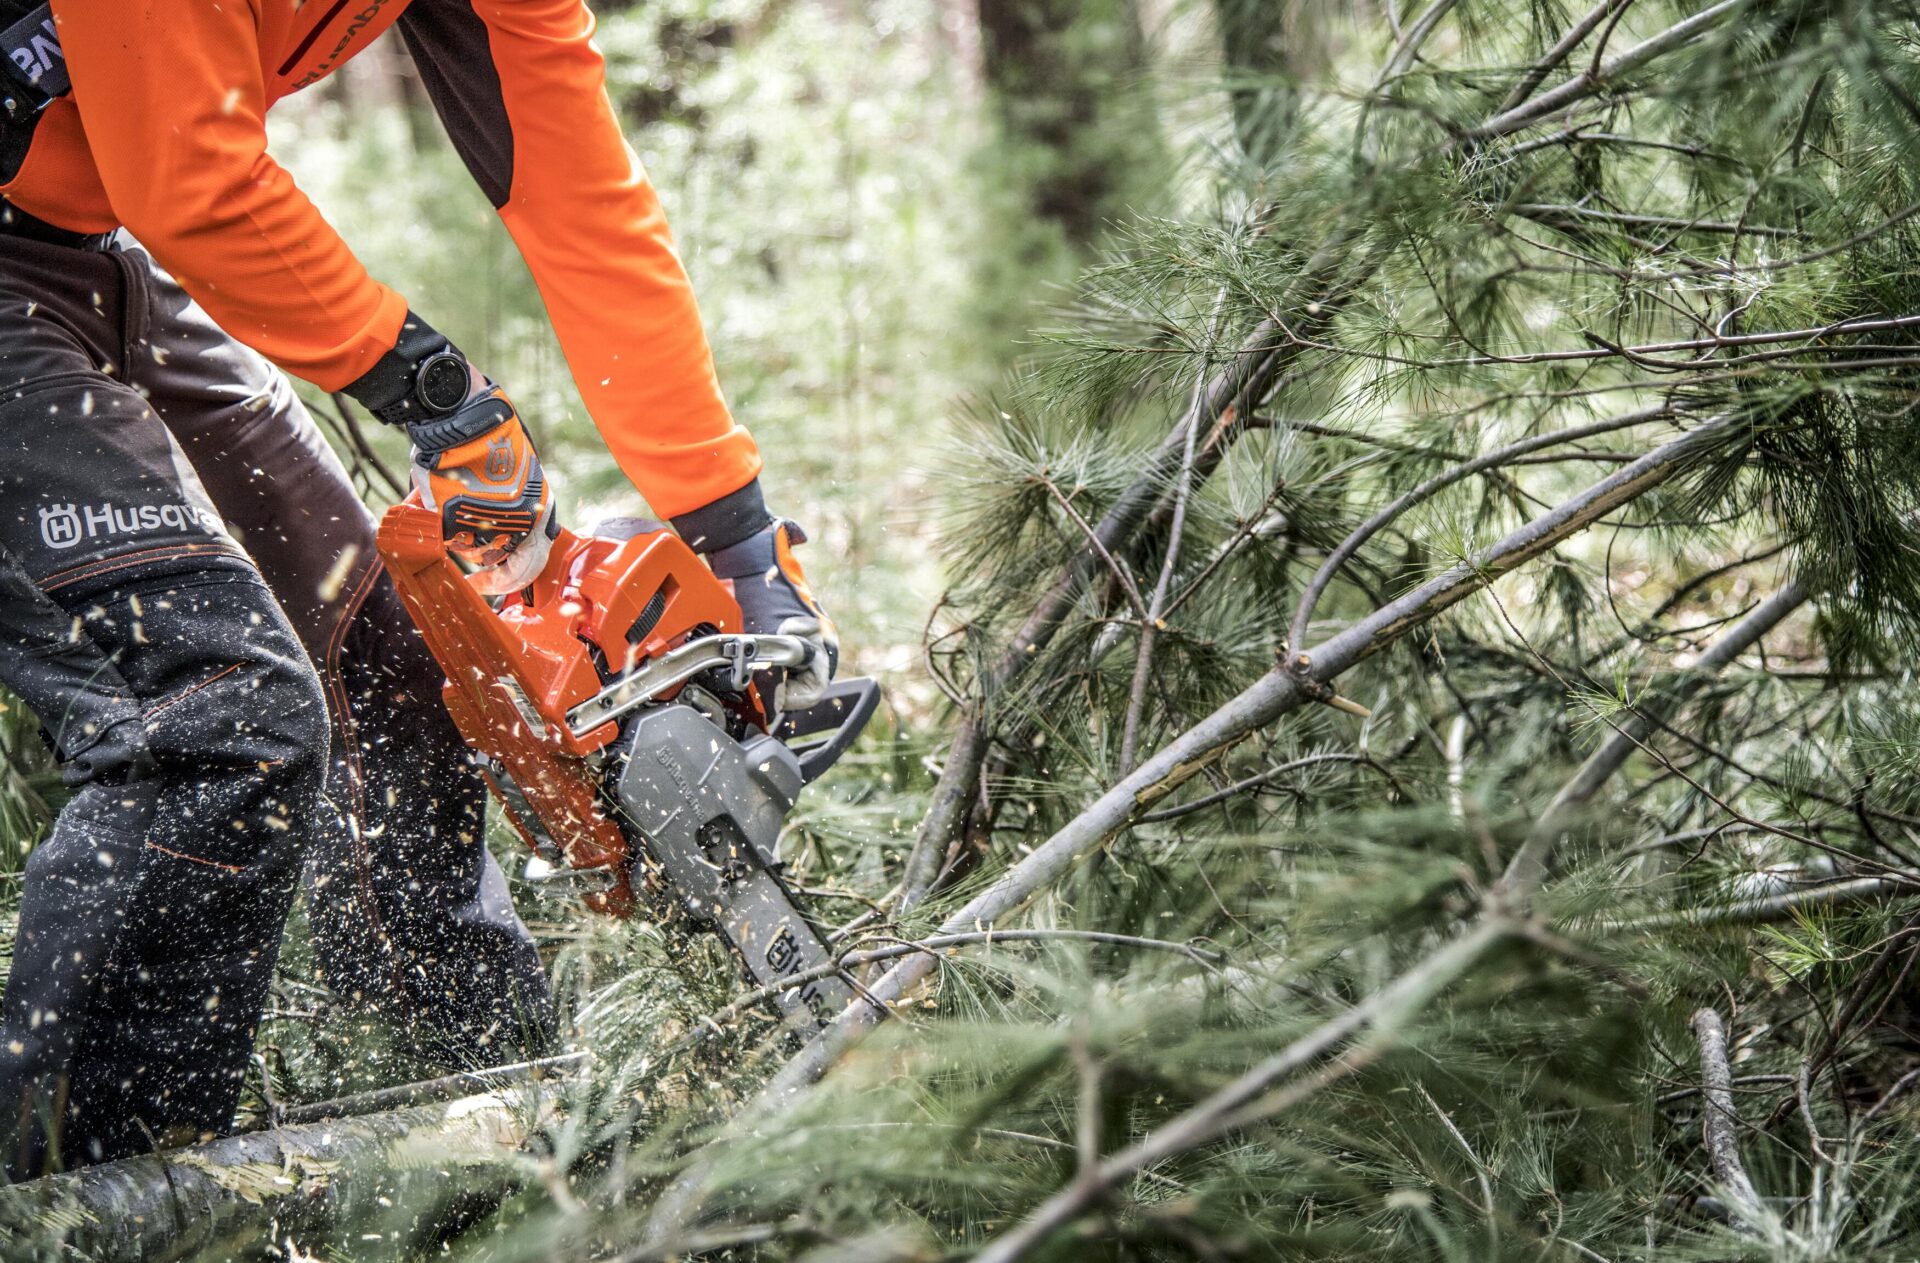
<point>1529,863</point>
<point>1249,376</point>
<point>1303,611</point>
<point>714,1022</point>
<point>421,1171</point>
<point>1259,779</point>
<point>446,1087</point>
<point>1276,693</point>
<point>1763,908</point>
<point>1246,1099</point>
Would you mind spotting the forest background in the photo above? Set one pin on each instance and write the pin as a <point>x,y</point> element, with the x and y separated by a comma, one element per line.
<point>1388,531</point>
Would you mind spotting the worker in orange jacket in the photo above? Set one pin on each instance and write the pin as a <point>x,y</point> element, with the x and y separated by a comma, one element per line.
<point>190,599</point>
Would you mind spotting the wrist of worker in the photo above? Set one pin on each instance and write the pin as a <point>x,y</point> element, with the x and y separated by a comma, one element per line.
<point>400,390</point>
<point>419,384</point>
<point>721,524</point>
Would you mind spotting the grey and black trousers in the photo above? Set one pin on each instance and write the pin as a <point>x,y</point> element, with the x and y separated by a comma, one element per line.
<point>191,605</point>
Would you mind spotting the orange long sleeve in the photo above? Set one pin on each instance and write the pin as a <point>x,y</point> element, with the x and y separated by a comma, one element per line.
<point>541,137</point>
<point>172,99</point>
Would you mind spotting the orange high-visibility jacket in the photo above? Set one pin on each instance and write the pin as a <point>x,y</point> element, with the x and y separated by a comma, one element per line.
<point>164,133</point>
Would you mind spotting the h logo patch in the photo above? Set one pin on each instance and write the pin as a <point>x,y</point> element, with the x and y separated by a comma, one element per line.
<point>60,525</point>
<point>499,465</point>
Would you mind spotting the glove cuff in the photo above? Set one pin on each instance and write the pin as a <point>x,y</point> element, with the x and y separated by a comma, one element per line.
<point>757,554</point>
<point>433,437</point>
<point>387,389</point>
<point>734,517</point>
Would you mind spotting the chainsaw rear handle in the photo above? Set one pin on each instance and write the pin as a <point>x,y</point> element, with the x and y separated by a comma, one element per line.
<point>743,653</point>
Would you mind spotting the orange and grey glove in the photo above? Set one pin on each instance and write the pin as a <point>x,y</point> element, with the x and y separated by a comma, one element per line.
<point>477,468</point>
<point>472,460</point>
<point>774,597</point>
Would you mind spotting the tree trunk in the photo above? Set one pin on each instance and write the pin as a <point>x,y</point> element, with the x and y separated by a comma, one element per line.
<point>1267,48</point>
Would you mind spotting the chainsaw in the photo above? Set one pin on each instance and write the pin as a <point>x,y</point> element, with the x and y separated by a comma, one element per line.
<point>614,706</point>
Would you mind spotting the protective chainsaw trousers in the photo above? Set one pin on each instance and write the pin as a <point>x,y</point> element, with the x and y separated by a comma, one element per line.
<point>191,605</point>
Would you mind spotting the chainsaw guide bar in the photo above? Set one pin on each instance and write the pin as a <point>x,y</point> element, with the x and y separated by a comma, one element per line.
<point>614,705</point>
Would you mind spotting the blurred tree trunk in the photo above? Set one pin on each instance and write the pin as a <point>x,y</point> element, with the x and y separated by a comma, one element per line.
<point>959,29</point>
<point>1058,74</point>
<point>1267,48</point>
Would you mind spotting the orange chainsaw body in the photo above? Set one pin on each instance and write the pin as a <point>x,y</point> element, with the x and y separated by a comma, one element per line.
<point>515,669</point>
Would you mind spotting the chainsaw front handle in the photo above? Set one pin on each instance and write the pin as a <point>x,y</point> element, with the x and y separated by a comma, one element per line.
<point>743,653</point>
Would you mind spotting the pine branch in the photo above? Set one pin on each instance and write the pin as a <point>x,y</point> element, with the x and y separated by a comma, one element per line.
<point>423,1092</point>
<point>1781,907</point>
<point>854,958</point>
<point>1277,342</point>
<point>1303,612</point>
<point>1575,35</point>
<point>1588,82</point>
<point>1228,396</point>
<point>1306,677</point>
<point>1260,779</point>
<point>1259,1094</point>
<point>1153,616</point>
<point>1529,864</point>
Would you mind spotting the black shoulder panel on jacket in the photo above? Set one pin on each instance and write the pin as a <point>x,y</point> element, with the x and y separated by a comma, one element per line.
<point>449,44</point>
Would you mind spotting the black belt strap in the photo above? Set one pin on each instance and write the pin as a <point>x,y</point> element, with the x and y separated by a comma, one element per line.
<point>15,222</point>
<point>35,68</point>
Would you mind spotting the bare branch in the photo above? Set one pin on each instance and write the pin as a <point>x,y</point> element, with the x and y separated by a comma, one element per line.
<point>1720,1123</point>
<point>1778,907</point>
<point>1528,867</point>
<point>1267,777</point>
<point>1588,82</point>
<point>1303,612</point>
<point>1563,47</point>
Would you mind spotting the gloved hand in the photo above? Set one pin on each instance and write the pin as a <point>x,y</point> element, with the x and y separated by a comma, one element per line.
<point>774,597</point>
<point>477,467</point>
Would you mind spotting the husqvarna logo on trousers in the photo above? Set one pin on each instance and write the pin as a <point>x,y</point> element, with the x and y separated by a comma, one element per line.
<point>64,525</point>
